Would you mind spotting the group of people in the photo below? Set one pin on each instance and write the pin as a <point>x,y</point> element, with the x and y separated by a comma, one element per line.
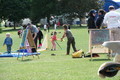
<point>111,19</point>
<point>36,33</point>
<point>94,23</point>
<point>47,26</point>
<point>70,39</point>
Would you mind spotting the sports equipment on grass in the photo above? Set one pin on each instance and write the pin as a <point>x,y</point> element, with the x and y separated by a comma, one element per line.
<point>78,54</point>
<point>58,44</point>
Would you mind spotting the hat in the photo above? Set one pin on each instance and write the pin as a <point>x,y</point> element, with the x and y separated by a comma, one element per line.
<point>28,24</point>
<point>7,33</point>
<point>111,7</point>
<point>93,11</point>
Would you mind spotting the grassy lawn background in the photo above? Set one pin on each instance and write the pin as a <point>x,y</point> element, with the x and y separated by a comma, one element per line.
<point>59,67</point>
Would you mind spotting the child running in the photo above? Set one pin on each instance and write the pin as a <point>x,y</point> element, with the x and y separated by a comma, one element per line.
<point>8,42</point>
<point>54,38</point>
<point>70,39</point>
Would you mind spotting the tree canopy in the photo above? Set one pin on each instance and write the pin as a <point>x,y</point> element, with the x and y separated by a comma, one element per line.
<point>14,10</point>
<point>43,8</point>
<point>78,6</point>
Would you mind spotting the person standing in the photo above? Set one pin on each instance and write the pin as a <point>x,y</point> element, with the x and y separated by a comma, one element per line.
<point>40,37</point>
<point>54,38</point>
<point>58,24</point>
<point>70,39</point>
<point>8,42</point>
<point>45,27</point>
<point>55,26</point>
<point>91,19</point>
<point>48,27</point>
<point>20,33</point>
<point>34,31</point>
<point>100,18</point>
<point>112,19</point>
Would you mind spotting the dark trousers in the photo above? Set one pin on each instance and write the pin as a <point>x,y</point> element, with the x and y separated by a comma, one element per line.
<point>48,29</point>
<point>40,41</point>
<point>69,42</point>
<point>9,49</point>
<point>35,41</point>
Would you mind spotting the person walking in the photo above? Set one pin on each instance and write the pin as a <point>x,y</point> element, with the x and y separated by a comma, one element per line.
<point>8,42</point>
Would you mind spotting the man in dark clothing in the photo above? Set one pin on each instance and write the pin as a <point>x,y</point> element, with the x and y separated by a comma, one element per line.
<point>48,27</point>
<point>70,38</point>
<point>91,19</point>
<point>99,20</point>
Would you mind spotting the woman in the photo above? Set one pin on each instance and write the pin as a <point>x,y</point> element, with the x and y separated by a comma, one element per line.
<point>91,19</point>
<point>99,20</point>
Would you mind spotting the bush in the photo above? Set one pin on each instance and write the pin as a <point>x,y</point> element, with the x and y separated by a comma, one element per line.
<point>0,30</point>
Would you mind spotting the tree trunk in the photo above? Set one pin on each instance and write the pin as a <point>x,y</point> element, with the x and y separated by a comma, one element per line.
<point>80,21</point>
<point>0,26</point>
<point>0,22</point>
<point>14,25</point>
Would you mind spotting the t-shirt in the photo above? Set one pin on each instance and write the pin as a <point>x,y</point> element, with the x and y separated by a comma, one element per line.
<point>69,34</point>
<point>45,26</point>
<point>112,19</point>
<point>8,41</point>
<point>55,26</point>
<point>33,29</point>
<point>54,38</point>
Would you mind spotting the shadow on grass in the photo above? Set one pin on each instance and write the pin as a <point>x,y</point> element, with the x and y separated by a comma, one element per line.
<point>25,60</point>
<point>101,60</point>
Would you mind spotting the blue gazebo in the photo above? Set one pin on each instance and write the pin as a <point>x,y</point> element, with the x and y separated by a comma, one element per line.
<point>107,3</point>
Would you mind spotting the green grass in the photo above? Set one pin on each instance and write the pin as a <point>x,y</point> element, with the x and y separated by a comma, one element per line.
<point>59,67</point>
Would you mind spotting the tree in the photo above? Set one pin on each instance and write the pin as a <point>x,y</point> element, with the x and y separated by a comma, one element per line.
<point>14,10</point>
<point>79,7</point>
<point>42,9</point>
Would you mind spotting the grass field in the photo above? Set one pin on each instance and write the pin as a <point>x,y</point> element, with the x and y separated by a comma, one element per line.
<point>59,67</point>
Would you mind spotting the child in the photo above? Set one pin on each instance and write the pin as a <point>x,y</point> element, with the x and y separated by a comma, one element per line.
<point>8,42</point>
<point>40,37</point>
<point>54,38</point>
<point>70,38</point>
<point>20,33</point>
